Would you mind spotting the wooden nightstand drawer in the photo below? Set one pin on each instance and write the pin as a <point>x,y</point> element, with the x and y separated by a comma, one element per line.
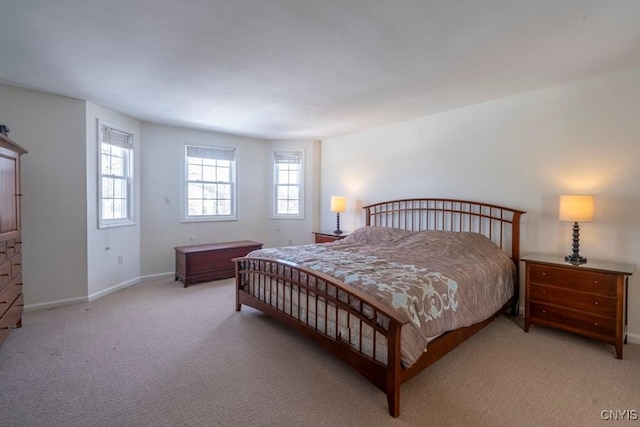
<point>325,239</point>
<point>588,299</point>
<point>327,236</point>
<point>587,281</point>
<point>592,303</point>
<point>574,320</point>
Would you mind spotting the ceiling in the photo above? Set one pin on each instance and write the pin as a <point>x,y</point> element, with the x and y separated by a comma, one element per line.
<point>308,69</point>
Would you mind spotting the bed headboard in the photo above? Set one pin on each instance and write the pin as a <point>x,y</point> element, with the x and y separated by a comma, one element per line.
<point>500,224</point>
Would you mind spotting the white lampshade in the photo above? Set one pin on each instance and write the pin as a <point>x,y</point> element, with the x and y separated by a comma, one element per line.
<point>338,204</point>
<point>576,208</point>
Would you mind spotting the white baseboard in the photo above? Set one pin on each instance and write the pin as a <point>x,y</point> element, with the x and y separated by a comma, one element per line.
<point>113,289</point>
<point>157,276</point>
<point>54,304</point>
<point>633,338</point>
<point>96,295</point>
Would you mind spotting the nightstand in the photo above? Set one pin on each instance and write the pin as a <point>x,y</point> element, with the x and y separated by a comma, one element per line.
<point>587,299</point>
<point>328,236</point>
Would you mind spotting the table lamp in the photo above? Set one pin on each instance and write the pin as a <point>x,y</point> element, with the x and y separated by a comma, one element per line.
<point>338,204</point>
<point>576,208</point>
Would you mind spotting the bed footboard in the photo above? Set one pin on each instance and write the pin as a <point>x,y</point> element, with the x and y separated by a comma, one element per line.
<point>341,319</point>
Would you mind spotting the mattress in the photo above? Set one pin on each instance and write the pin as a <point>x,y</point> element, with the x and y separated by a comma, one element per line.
<point>438,280</point>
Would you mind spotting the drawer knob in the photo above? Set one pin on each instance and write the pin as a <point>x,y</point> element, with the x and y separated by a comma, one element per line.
<point>18,263</point>
<point>4,274</point>
<point>595,323</point>
<point>544,292</point>
<point>544,273</point>
<point>3,252</point>
<point>3,302</point>
<point>544,311</point>
<point>596,303</point>
<point>596,282</point>
<point>4,328</point>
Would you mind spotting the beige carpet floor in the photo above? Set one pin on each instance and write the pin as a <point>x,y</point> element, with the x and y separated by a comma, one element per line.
<point>157,354</point>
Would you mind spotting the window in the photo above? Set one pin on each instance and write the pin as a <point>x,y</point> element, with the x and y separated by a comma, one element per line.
<point>288,185</point>
<point>209,181</point>
<point>115,180</point>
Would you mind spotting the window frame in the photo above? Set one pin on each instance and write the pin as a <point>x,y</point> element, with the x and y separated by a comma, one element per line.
<point>301,184</point>
<point>185,217</point>
<point>128,176</point>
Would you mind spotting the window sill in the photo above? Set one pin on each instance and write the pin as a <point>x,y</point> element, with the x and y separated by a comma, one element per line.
<point>209,219</point>
<point>298,217</point>
<point>123,223</point>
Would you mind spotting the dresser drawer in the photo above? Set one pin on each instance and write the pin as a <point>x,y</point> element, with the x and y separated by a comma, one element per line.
<point>11,317</point>
<point>5,273</point>
<point>18,244</point>
<point>3,252</point>
<point>592,303</point>
<point>9,293</point>
<point>16,265</point>
<point>10,248</point>
<point>575,320</point>
<point>587,281</point>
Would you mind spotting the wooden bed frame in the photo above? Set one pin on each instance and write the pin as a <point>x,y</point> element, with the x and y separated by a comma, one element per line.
<point>499,224</point>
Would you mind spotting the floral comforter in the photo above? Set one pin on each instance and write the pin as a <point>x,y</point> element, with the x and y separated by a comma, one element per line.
<point>441,280</point>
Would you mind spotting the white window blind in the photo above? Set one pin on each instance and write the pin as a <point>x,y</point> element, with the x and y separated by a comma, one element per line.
<point>228,154</point>
<point>117,138</point>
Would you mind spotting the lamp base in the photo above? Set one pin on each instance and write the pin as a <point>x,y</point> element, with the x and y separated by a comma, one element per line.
<point>575,260</point>
<point>337,231</point>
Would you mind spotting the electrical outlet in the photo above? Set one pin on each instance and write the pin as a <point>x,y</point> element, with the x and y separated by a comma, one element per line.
<point>120,259</point>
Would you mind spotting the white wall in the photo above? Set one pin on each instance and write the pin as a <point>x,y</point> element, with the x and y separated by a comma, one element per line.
<point>523,152</point>
<point>160,192</point>
<point>288,232</point>
<point>54,198</point>
<point>65,254</point>
<point>105,245</point>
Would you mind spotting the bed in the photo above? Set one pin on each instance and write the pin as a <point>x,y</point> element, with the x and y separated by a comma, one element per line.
<point>396,295</point>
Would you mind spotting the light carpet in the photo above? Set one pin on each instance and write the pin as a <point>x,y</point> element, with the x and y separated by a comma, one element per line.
<point>158,354</point>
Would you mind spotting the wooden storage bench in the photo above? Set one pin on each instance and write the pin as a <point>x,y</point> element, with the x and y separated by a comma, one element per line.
<point>201,263</point>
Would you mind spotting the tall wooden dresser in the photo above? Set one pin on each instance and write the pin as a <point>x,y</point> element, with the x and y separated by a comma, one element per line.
<point>11,301</point>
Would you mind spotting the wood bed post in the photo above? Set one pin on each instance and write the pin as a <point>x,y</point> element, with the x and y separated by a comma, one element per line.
<point>394,369</point>
<point>515,256</point>
<point>238,282</point>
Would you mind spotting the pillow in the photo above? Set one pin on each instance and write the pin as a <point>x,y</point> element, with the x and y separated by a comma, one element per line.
<point>379,236</point>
